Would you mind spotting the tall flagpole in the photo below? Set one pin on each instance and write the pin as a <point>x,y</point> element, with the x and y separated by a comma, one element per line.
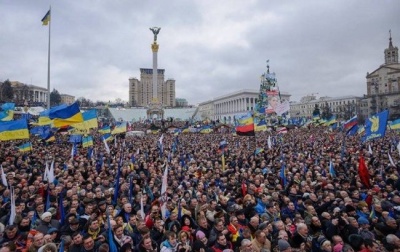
<point>48,66</point>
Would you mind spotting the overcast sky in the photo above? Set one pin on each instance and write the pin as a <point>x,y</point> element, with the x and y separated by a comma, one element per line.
<point>210,48</point>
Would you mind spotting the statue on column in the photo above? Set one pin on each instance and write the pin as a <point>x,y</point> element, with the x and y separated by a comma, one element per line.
<point>155,31</point>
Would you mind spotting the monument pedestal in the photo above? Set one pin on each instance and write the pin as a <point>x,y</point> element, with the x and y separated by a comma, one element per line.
<point>155,108</point>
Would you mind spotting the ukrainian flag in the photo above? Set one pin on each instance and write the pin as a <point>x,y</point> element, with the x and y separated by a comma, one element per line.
<point>51,138</point>
<point>8,111</point>
<point>87,141</point>
<point>107,137</point>
<point>46,18</point>
<point>331,121</point>
<point>121,128</point>
<point>25,147</point>
<point>206,129</point>
<point>44,115</point>
<point>261,126</point>
<point>185,130</point>
<point>105,130</point>
<point>14,130</point>
<point>89,121</point>
<point>395,125</point>
<point>66,116</point>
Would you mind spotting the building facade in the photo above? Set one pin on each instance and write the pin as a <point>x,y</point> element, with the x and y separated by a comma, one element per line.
<point>383,85</point>
<point>141,91</point>
<point>67,99</point>
<point>343,107</point>
<point>31,94</point>
<point>225,107</point>
<point>181,102</point>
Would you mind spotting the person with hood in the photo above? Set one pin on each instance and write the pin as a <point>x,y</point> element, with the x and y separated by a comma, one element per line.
<point>170,244</point>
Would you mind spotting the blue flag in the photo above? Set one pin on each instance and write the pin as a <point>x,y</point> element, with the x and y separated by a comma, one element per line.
<point>113,247</point>
<point>375,126</point>
<point>116,187</point>
<point>62,210</point>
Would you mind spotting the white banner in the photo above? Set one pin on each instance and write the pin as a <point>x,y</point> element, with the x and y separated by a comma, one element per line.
<point>282,108</point>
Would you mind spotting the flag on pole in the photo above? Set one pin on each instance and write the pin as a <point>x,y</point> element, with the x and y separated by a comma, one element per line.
<point>116,187</point>
<point>269,142</point>
<point>375,126</point>
<point>13,212</point>
<point>332,169</point>
<point>3,177</point>
<point>62,210</point>
<point>111,243</point>
<point>363,172</point>
<point>106,146</point>
<point>164,193</point>
<point>61,248</point>
<point>50,174</point>
<point>160,145</point>
<point>46,18</point>
<point>391,160</point>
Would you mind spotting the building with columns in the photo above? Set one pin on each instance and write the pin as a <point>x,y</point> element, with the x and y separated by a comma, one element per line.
<point>32,94</point>
<point>225,107</point>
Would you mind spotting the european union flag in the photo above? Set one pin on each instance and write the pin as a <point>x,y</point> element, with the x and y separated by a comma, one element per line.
<point>375,126</point>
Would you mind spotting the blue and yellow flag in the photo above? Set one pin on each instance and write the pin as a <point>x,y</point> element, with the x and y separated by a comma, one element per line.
<point>7,113</point>
<point>119,128</point>
<point>25,147</point>
<point>395,125</point>
<point>105,130</point>
<point>261,126</point>
<point>44,118</point>
<point>107,137</point>
<point>87,141</point>
<point>14,130</point>
<point>206,129</point>
<point>375,126</point>
<point>89,120</point>
<point>46,18</point>
<point>66,116</point>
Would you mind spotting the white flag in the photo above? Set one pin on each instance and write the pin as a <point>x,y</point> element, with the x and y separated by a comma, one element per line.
<point>391,160</point>
<point>50,174</point>
<point>72,152</point>
<point>106,146</point>
<point>369,149</point>
<point>3,177</point>
<point>398,147</point>
<point>46,172</point>
<point>269,142</point>
<point>164,193</point>
<point>13,212</point>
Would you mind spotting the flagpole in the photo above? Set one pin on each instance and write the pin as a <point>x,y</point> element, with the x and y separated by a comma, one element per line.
<point>48,66</point>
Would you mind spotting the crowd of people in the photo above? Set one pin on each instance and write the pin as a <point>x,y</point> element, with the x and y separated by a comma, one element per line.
<point>271,192</point>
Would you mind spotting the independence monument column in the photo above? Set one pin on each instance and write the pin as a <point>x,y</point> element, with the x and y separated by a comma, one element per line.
<point>154,48</point>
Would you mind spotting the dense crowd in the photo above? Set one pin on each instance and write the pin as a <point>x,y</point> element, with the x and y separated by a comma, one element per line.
<point>281,196</point>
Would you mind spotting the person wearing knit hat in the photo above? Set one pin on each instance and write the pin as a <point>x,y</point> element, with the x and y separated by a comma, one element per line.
<point>47,223</point>
<point>45,215</point>
<point>284,245</point>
